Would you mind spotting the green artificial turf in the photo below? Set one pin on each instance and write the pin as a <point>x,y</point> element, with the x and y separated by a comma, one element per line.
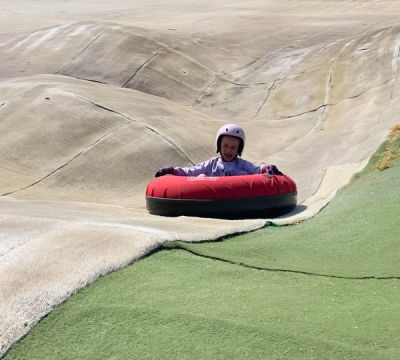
<point>174,305</point>
<point>184,303</point>
<point>357,235</point>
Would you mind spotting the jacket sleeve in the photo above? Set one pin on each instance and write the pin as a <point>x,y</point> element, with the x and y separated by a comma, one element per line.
<point>250,168</point>
<point>199,169</point>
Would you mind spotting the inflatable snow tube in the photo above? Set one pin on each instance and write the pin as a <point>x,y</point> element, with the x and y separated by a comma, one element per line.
<point>228,197</point>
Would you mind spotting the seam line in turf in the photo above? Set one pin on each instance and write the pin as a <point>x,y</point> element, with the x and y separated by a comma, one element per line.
<point>299,272</point>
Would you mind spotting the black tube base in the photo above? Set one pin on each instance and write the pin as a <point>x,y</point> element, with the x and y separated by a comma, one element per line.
<point>249,208</point>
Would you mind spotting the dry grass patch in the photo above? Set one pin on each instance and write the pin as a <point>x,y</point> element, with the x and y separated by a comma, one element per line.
<point>392,149</point>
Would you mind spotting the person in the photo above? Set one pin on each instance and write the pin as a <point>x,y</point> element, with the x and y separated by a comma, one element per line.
<point>229,144</point>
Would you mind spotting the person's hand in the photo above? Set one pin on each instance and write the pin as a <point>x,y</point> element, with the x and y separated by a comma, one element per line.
<point>165,171</point>
<point>270,170</point>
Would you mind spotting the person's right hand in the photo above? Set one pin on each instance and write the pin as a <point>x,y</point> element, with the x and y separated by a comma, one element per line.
<point>165,171</point>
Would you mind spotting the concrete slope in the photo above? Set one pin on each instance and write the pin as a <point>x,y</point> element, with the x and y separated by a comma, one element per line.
<point>89,111</point>
<point>70,139</point>
<point>175,67</point>
<point>339,96</point>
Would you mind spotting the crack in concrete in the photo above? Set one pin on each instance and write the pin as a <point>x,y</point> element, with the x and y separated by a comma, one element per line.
<point>244,66</point>
<point>266,99</point>
<point>90,80</point>
<point>327,91</point>
<point>367,91</point>
<point>187,57</point>
<point>305,112</point>
<point>82,152</point>
<point>239,84</point>
<point>334,104</point>
<point>281,76</point>
<point>130,120</point>
<point>80,53</point>
<point>205,91</point>
<point>278,270</point>
<point>222,76</point>
<point>153,56</point>
<point>321,116</point>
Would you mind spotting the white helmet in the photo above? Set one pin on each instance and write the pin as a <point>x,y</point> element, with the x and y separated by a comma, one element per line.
<point>230,130</point>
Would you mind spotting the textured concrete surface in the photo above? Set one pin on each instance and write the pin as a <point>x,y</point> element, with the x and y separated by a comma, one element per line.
<point>94,98</point>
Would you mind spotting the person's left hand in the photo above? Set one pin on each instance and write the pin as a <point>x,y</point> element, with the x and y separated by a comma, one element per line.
<point>270,170</point>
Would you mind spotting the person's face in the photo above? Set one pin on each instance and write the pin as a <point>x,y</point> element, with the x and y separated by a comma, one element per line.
<point>229,147</point>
